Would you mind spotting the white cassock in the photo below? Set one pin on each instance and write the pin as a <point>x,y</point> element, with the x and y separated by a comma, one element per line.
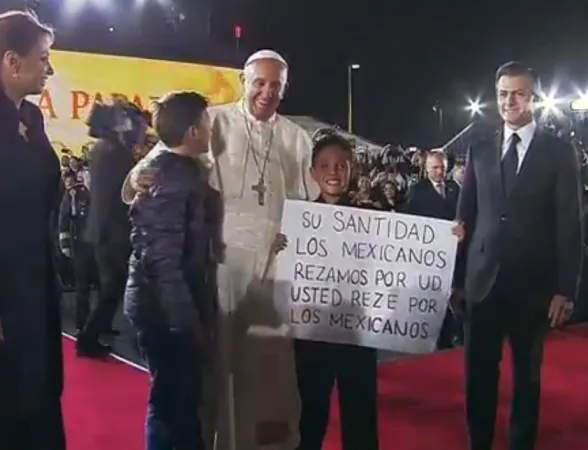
<point>261,365</point>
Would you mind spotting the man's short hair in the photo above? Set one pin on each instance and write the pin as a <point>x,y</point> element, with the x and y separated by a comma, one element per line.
<point>515,69</point>
<point>437,154</point>
<point>175,113</point>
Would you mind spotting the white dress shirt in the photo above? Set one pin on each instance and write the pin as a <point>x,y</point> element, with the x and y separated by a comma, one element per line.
<point>439,187</point>
<point>526,134</point>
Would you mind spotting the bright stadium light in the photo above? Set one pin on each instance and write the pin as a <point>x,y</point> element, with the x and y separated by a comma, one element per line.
<point>475,107</point>
<point>549,103</point>
<point>580,104</point>
<point>80,3</point>
<point>72,7</point>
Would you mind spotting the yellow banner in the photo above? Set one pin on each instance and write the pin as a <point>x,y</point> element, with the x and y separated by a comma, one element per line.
<point>82,78</point>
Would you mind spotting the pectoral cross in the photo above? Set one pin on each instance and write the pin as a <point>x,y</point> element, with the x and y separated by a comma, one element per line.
<point>260,189</point>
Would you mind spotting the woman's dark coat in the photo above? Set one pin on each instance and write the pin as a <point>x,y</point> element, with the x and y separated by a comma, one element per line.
<point>31,369</point>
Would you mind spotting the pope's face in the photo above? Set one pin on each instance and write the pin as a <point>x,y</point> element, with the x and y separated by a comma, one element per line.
<point>264,86</point>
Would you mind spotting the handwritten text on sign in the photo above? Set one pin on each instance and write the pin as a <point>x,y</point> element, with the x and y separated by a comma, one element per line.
<point>370,278</point>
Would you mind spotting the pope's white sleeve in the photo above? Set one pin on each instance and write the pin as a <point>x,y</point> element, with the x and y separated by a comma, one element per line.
<point>127,191</point>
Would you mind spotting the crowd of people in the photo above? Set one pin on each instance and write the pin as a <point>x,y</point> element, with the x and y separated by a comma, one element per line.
<point>186,238</point>
<point>391,180</point>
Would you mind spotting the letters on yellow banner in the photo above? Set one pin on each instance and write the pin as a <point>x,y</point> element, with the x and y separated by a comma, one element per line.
<point>82,78</point>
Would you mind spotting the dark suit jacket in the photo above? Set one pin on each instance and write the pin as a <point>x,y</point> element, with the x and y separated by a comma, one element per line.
<point>533,239</point>
<point>30,192</point>
<point>423,200</point>
<point>108,223</point>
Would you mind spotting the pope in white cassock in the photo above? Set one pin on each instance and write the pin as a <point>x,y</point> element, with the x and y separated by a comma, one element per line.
<point>258,159</point>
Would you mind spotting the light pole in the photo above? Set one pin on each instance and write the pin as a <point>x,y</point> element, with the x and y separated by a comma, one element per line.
<point>438,110</point>
<point>350,69</point>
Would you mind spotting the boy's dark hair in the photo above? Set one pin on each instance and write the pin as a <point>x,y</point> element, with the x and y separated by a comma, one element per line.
<point>20,31</point>
<point>331,140</point>
<point>514,69</point>
<point>175,113</point>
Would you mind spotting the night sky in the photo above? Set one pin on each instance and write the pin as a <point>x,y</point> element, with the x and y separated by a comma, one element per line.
<point>412,54</point>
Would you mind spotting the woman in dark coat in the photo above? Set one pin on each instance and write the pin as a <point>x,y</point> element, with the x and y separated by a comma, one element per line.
<point>31,374</point>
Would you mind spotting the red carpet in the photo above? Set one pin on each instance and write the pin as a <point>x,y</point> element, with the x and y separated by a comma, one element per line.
<point>421,401</point>
<point>103,403</point>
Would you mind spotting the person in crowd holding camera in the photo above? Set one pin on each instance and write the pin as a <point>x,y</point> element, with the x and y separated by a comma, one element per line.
<point>365,197</point>
<point>320,364</point>
<point>31,372</point>
<point>390,196</point>
<point>73,216</point>
<point>168,298</point>
<point>77,166</point>
<point>458,172</point>
<point>119,128</point>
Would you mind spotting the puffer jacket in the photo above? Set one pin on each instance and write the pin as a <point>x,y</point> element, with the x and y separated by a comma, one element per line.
<point>172,266</point>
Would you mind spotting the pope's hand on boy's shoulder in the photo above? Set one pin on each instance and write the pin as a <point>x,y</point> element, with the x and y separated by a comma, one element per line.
<point>142,179</point>
<point>280,243</point>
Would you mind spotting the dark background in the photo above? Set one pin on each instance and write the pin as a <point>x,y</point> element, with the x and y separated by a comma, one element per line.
<point>413,55</point>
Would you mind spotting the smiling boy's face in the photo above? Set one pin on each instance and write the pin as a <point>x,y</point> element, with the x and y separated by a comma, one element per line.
<point>330,170</point>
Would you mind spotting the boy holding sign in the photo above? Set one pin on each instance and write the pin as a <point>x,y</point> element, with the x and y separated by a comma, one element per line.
<point>320,364</point>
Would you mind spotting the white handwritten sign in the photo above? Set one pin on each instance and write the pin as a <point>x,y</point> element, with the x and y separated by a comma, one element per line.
<point>370,278</point>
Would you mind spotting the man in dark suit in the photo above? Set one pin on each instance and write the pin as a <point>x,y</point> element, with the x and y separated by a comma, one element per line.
<point>520,215</point>
<point>433,196</point>
<point>436,197</point>
<point>108,231</point>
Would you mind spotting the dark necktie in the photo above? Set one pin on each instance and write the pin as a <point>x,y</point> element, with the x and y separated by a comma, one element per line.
<point>510,164</point>
<point>440,188</point>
